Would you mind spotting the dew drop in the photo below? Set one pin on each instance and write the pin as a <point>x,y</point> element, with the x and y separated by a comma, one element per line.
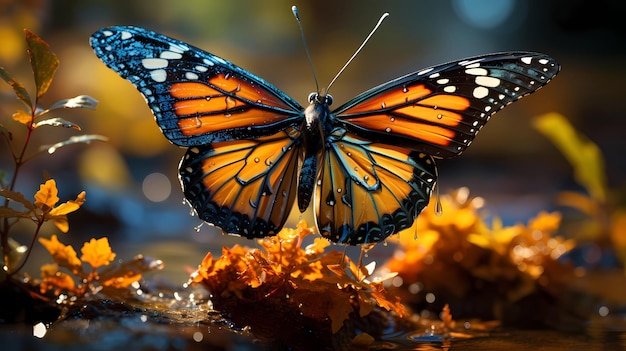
<point>439,116</point>
<point>388,129</point>
<point>392,119</point>
<point>405,90</point>
<point>339,190</point>
<point>257,160</point>
<point>438,207</point>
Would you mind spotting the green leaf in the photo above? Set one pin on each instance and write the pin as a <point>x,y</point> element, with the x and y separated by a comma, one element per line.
<point>43,61</point>
<point>87,138</point>
<point>81,101</point>
<point>18,88</point>
<point>17,197</point>
<point>56,122</point>
<point>583,154</point>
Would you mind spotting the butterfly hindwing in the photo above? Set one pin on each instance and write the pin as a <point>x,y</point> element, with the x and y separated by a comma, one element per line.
<point>197,98</point>
<point>440,110</point>
<point>368,191</point>
<point>246,187</point>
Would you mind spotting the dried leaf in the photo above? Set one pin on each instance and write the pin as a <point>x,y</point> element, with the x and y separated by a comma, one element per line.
<point>18,88</point>
<point>43,61</point>
<point>64,255</point>
<point>55,122</point>
<point>126,273</point>
<point>47,196</point>
<point>17,197</point>
<point>7,212</point>
<point>81,101</point>
<point>86,139</point>
<point>53,279</point>
<point>97,252</point>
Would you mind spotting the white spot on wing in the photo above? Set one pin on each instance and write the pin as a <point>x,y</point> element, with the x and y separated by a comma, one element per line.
<point>443,81</point>
<point>450,89</point>
<point>179,48</point>
<point>527,60</point>
<point>421,73</point>
<point>201,69</point>
<point>126,35</point>
<point>154,63</point>
<point>191,76</point>
<point>487,81</point>
<point>208,62</point>
<point>158,75</point>
<point>480,92</point>
<point>170,55</point>
<point>476,71</point>
<point>543,61</point>
<point>107,33</point>
<point>434,75</point>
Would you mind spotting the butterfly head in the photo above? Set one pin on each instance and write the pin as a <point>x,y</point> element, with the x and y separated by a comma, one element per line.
<point>320,98</point>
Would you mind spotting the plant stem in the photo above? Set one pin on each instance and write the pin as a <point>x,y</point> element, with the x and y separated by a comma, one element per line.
<point>4,234</point>
<point>30,248</point>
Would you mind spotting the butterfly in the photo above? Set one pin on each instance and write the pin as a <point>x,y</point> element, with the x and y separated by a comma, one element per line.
<point>367,168</point>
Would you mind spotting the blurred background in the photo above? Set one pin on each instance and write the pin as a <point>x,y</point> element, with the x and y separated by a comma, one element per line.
<point>133,195</point>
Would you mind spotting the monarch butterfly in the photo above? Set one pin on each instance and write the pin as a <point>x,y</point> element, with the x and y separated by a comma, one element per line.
<point>367,167</point>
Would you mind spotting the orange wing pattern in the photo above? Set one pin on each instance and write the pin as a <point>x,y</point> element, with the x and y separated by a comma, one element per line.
<point>246,187</point>
<point>368,191</point>
<point>197,98</point>
<point>440,110</point>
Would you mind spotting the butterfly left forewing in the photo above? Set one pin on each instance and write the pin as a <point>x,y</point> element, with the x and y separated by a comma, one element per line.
<point>196,97</point>
<point>440,110</point>
<point>368,191</point>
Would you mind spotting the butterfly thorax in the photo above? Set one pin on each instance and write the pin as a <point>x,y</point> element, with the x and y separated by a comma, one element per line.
<point>315,126</point>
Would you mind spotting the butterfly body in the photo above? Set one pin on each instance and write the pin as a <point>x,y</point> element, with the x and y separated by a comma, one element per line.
<point>367,167</point>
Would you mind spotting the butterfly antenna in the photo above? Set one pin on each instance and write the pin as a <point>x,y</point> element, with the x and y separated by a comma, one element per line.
<point>296,14</point>
<point>380,21</point>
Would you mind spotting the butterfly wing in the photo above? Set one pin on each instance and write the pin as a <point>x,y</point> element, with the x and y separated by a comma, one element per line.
<point>368,191</point>
<point>378,170</point>
<point>439,110</point>
<point>197,98</point>
<point>246,187</point>
<point>240,170</point>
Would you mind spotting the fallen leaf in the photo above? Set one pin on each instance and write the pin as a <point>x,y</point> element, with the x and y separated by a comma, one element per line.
<point>97,252</point>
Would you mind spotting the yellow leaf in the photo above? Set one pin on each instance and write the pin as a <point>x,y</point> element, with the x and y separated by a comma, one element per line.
<point>23,117</point>
<point>579,201</point>
<point>47,196</point>
<point>58,214</point>
<point>64,255</point>
<point>97,252</point>
<point>69,206</point>
<point>583,154</point>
